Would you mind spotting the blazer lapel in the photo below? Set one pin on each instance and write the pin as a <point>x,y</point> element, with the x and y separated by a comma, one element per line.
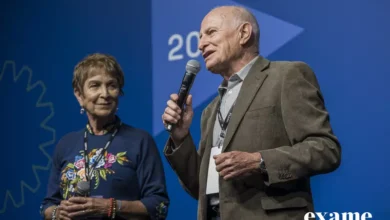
<point>210,116</point>
<point>211,120</point>
<point>249,88</point>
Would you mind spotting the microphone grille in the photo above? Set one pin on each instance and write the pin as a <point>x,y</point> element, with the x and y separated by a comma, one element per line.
<point>193,66</point>
<point>83,187</point>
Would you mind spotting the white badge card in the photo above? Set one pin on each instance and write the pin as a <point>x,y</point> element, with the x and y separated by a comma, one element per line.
<point>213,175</point>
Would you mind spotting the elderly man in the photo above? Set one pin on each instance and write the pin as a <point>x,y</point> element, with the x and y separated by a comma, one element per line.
<point>262,137</point>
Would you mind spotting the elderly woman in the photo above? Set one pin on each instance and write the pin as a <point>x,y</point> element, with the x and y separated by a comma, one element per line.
<point>109,170</point>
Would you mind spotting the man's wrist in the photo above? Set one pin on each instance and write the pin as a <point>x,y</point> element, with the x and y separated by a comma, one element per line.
<point>256,161</point>
<point>260,164</point>
<point>177,141</point>
<point>262,167</point>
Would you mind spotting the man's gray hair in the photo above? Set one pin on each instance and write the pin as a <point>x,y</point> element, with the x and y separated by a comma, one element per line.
<point>242,15</point>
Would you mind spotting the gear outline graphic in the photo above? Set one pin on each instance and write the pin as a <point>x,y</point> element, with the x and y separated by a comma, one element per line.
<point>39,104</point>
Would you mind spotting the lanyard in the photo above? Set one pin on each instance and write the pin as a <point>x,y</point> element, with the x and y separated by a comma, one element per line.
<point>223,123</point>
<point>88,173</point>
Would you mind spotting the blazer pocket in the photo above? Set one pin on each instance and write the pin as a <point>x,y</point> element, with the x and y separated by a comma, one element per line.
<point>283,202</point>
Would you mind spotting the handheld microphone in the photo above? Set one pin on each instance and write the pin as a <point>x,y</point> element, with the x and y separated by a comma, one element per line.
<point>192,68</point>
<point>82,189</point>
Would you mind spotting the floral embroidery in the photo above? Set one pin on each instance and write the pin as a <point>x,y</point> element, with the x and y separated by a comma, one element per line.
<point>75,172</point>
<point>162,210</point>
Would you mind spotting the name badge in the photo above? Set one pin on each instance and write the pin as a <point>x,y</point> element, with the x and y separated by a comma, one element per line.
<point>213,175</point>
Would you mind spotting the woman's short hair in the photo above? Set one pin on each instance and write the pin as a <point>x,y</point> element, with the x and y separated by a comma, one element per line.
<point>85,69</point>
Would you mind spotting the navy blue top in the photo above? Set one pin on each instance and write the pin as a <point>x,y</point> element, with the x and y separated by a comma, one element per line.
<point>131,169</point>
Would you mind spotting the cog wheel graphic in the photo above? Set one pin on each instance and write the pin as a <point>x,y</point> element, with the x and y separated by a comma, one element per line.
<point>8,77</point>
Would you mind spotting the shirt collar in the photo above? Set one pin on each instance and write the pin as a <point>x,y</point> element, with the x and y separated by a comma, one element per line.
<point>236,78</point>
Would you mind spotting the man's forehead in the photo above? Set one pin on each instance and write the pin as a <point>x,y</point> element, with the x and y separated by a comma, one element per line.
<point>214,18</point>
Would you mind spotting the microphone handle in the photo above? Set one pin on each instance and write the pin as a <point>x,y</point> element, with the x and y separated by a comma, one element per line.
<point>184,90</point>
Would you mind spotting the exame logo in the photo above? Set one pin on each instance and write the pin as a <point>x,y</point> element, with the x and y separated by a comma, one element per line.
<point>337,216</point>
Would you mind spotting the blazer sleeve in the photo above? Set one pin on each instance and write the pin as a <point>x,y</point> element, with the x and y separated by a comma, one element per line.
<point>185,160</point>
<point>315,149</point>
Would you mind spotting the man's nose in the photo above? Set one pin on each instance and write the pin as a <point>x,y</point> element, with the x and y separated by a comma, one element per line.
<point>202,44</point>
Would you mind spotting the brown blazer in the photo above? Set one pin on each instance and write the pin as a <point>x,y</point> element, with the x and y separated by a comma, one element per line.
<point>280,113</point>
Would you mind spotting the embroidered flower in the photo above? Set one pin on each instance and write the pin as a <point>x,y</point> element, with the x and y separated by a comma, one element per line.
<point>162,210</point>
<point>107,165</point>
<point>92,160</point>
<point>81,174</point>
<point>101,163</point>
<point>80,164</point>
<point>70,174</point>
<point>111,158</point>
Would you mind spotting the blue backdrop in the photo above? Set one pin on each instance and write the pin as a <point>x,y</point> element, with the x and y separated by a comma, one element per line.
<point>344,41</point>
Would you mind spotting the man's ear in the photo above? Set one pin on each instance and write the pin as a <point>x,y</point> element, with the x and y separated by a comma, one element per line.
<point>79,96</point>
<point>245,33</point>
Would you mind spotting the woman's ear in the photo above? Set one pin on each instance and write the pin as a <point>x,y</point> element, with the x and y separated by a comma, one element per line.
<point>79,96</point>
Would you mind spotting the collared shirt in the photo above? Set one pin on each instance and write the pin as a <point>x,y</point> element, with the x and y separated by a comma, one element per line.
<point>228,92</point>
